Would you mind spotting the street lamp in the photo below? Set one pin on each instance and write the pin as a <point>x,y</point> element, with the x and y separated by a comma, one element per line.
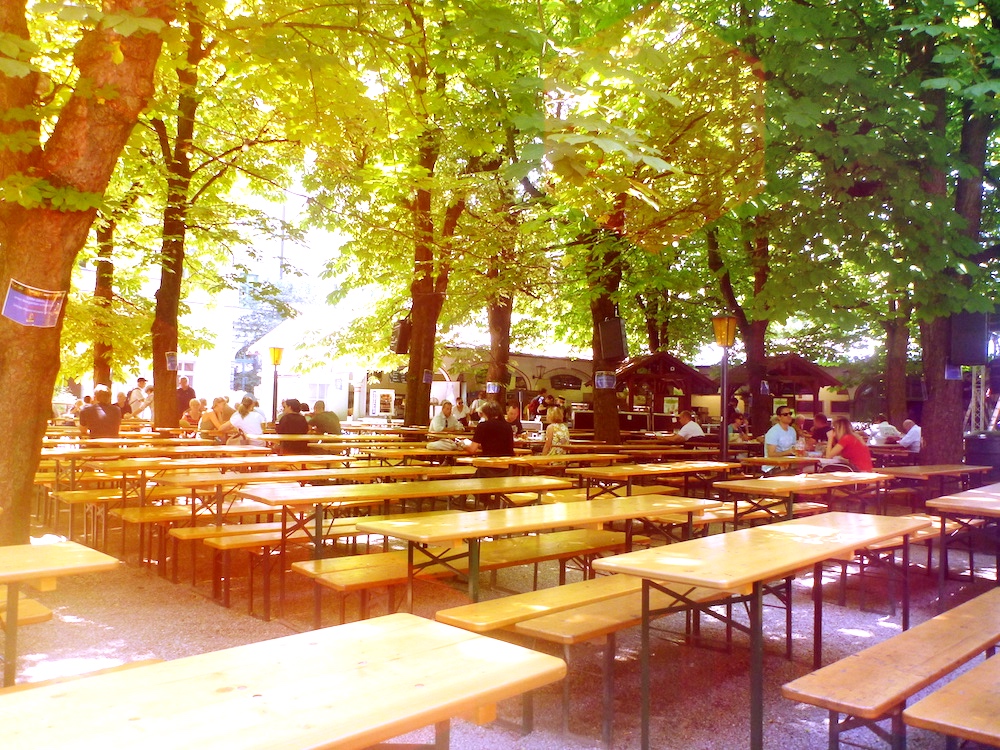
<point>276,352</point>
<point>724,327</point>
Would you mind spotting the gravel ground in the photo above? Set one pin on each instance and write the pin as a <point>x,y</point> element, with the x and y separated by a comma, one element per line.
<point>700,694</point>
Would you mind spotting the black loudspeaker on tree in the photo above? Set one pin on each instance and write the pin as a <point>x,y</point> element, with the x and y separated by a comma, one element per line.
<point>614,345</point>
<point>969,339</point>
<point>399,342</point>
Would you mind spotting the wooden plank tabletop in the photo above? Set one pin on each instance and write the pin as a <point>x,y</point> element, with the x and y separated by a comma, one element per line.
<point>968,707</point>
<point>626,471</point>
<point>355,474</point>
<point>736,560</point>
<point>308,496</point>
<point>981,501</point>
<point>934,470</point>
<point>483,523</point>
<point>343,687</point>
<point>784,486</point>
<point>25,562</point>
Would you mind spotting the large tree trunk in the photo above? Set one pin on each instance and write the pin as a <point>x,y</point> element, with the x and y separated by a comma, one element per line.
<point>177,161</point>
<point>943,410</point>
<point>897,340</point>
<point>500,310</point>
<point>604,266</point>
<point>39,244</point>
<point>103,294</point>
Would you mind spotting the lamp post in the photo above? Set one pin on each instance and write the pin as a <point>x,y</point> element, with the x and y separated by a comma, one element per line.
<point>724,327</point>
<point>276,352</point>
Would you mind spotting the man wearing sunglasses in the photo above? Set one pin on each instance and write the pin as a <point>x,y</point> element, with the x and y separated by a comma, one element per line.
<point>780,439</point>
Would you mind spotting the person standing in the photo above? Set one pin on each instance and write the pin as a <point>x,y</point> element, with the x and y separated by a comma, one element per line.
<point>102,418</point>
<point>137,396</point>
<point>461,411</point>
<point>184,395</point>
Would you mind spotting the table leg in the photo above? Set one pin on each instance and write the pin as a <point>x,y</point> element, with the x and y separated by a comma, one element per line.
<point>474,569</point>
<point>644,663</point>
<point>757,668</point>
<point>10,635</point>
<point>906,581</point>
<point>942,564</point>
<point>817,615</point>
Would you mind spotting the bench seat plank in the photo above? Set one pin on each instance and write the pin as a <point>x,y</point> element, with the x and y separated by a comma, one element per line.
<point>876,681</point>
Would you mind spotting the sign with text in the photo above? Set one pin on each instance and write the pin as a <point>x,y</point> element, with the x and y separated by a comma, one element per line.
<point>37,308</point>
<point>605,379</point>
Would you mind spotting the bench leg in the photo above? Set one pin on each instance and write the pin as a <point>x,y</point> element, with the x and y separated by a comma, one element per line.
<point>318,606</point>
<point>565,692</point>
<point>442,735</point>
<point>607,724</point>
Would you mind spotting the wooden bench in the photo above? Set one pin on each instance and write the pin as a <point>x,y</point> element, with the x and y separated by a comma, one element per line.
<point>21,686</point>
<point>262,540</point>
<point>874,684</point>
<point>570,614</point>
<point>884,554</point>
<point>29,611</point>
<point>362,573</point>
<point>160,519</point>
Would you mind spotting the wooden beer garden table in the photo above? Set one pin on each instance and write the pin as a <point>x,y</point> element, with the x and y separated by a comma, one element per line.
<point>609,478</point>
<point>470,528</point>
<point>347,687</point>
<point>761,493</point>
<point>937,474</point>
<point>305,508</point>
<point>741,562</point>
<point>527,464</point>
<point>39,564</point>
<point>965,508</point>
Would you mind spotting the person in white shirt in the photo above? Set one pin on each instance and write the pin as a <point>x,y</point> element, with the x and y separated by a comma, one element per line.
<point>248,421</point>
<point>882,430</point>
<point>688,429</point>
<point>781,438</point>
<point>911,436</point>
<point>445,421</point>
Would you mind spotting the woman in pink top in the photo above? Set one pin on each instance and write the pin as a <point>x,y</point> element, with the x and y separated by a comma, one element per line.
<point>844,443</point>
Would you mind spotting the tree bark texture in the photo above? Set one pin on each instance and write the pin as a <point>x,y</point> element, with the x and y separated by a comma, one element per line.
<point>39,243</point>
<point>103,295</point>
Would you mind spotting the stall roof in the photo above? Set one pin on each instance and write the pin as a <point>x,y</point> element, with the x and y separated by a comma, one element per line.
<point>789,368</point>
<point>666,368</point>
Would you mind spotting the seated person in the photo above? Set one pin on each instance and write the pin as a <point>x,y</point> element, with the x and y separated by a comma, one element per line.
<point>556,433</point>
<point>514,419</point>
<point>291,422</point>
<point>101,419</point>
<point>461,411</point>
<point>191,418</point>
<point>444,421</point>
<point>737,429</point>
<point>247,423</point>
<point>688,429</point>
<point>780,440</point>
<point>911,438</point>
<point>881,430</point>
<point>848,446</point>
<point>323,421</point>
<point>493,437</point>
<point>820,430</point>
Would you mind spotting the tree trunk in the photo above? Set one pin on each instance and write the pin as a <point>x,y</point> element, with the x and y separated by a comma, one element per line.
<point>943,410</point>
<point>604,266</point>
<point>177,161</point>
<point>500,310</point>
<point>897,340</point>
<point>39,244</point>
<point>103,294</point>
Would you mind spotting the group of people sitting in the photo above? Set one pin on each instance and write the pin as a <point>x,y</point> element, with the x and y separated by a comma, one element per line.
<point>488,439</point>
<point>245,423</point>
